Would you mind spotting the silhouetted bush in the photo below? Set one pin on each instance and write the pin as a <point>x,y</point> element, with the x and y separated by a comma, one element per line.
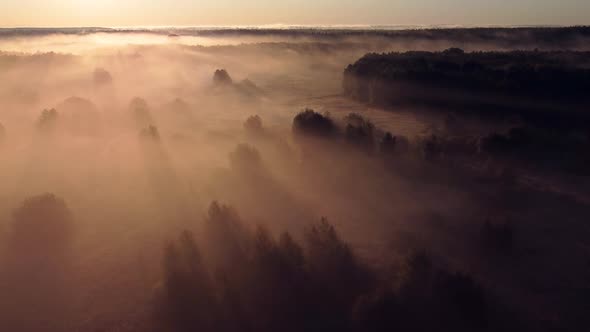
<point>42,223</point>
<point>47,121</point>
<point>79,116</point>
<point>432,148</point>
<point>253,125</point>
<point>310,123</point>
<point>246,159</point>
<point>221,78</point>
<point>150,133</point>
<point>393,145</point>
<point>141,112</point>
<point>102,77</point>
<point>360,132</point>
<point>388,144</point>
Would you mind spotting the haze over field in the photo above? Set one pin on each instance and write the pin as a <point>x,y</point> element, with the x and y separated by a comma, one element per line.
<point>330,173</point>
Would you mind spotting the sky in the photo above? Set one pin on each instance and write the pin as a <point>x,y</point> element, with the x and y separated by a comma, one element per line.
<point>111,13</point>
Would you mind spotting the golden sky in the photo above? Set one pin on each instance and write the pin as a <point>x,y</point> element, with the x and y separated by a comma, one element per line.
<point>104,13</point>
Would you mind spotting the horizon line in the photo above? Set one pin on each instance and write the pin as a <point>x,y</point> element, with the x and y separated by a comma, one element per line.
<point>302,26</point>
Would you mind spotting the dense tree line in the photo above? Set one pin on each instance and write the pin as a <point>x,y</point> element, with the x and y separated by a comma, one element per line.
<point>525,146</point>
<point>555,36</point>
<point>548,37</point>
<point>559,74</point>
<point>241,279</point>
<point>543,87</point>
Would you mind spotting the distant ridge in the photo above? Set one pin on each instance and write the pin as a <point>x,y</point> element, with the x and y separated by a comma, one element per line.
<point>270,29</point>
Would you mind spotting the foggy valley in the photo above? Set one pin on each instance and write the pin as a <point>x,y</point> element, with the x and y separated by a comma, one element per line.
<point>180,179</point>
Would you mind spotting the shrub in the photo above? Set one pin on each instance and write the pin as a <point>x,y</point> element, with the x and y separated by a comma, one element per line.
<point>310,123</point>
<point>253,125</point>
<point>432,148</point>
<point>221,77</point>
<point>141,112</point>
<point>360,132</point>
<point>43,224</point>
<point>47,120</point>
<point>246,159</point>
<point>150,133</point>
<point>102,77</point>
<point>393,145</point>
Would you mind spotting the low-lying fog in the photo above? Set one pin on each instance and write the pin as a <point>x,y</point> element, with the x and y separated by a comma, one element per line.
<point>138,135</point>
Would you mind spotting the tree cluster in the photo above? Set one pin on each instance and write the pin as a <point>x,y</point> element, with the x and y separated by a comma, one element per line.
<point>238,279</point>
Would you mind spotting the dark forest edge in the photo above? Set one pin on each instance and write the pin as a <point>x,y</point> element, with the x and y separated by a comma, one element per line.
<point>507,80</point>
<point>250,280</point>
<point>544,91</point>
